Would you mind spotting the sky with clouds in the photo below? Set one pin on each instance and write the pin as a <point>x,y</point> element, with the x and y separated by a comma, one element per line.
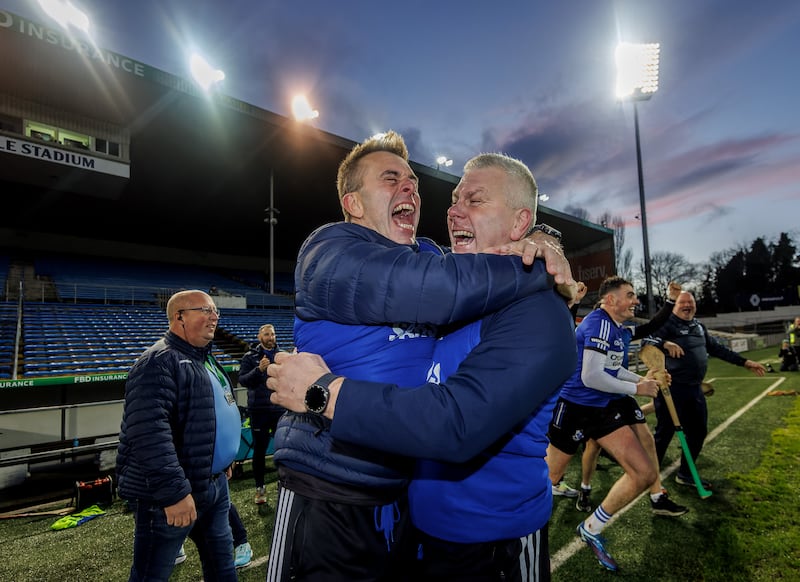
<point>720,139</point>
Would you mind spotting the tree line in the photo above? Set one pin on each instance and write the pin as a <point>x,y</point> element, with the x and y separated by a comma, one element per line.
<point>758,276</point>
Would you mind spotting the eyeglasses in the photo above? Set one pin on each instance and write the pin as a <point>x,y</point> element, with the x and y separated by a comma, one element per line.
<point>206,310</point>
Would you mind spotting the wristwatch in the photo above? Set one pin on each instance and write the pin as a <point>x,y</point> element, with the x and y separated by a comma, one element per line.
<point>317,395</point>
<point>548,230</point>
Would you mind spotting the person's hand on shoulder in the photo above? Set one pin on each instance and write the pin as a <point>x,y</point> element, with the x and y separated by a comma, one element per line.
<point>541,245</point>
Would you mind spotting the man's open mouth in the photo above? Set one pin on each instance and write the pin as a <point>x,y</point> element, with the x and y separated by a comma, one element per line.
<point>462,237</point>
<point>403,215</point>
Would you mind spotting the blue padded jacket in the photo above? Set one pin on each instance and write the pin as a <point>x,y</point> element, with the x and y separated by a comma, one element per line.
<point>369,307</point>
<point>166,441</point>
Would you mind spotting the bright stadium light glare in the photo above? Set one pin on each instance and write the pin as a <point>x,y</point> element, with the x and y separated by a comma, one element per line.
<point>65,14</point>
<point>204,74</point>
<point>637,80</point>
<point>637,70</point>
<point>443,161</point>
<point>301,109</point>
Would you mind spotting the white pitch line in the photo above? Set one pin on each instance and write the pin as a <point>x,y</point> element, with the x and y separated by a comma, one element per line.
<point>566,552</point>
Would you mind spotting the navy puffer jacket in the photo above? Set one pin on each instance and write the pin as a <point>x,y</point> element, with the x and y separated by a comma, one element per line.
<point>166,441</point>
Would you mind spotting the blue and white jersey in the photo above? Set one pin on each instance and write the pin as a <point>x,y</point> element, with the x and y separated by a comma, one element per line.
<point>600,333</point>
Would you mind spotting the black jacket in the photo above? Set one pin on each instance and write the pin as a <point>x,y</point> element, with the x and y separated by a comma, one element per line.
<point>697,345</point>
<point>255,380</point>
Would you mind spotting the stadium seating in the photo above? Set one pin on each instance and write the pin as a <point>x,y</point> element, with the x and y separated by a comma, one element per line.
<point>244,324</point>
<point>108,311</point>
<point>4,263</point>
<point>67,339</point>
<point>8,327</point>
<point>100,280</point>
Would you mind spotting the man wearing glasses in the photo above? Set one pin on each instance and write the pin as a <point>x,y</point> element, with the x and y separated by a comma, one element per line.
<point>179,436</point>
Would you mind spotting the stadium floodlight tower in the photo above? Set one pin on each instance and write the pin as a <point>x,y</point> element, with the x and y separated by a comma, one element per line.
<point>204,74</point>
<point>443,161</point>
<point>66,14</point>
<point>301,109</point>
<point>637,80</point>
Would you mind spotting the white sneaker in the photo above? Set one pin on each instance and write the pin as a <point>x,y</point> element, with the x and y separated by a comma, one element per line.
<point>564,490</point>
<point>181,557</point>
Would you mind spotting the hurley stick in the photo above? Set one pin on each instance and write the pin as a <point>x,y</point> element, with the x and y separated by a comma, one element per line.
<point>654,359</point>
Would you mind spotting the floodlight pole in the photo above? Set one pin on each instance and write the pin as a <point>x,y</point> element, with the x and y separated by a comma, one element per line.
<point>648,278</point>
<point>272,226</point>
<point>272,222</point>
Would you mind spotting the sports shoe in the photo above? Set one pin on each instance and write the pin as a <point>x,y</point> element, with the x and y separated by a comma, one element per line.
<point>583,502</point>
<point>181,557</point>
<point>242,555</point>
<point>689,482</point>
<point>261,495</point>
<point>564,490</point>
<point>596,543</point>
<point>665,506</point>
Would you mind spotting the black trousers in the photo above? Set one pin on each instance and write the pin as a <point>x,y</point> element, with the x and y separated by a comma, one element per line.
<point>690,405</point>
<point>262,425</point>
<point>525,559</point>
<point>325,541</point>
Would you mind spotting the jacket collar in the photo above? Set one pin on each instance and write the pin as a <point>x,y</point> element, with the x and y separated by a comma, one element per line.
<point>177,342</point>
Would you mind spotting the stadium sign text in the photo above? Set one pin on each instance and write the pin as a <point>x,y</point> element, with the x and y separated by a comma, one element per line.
<point>66,158</point>
<point>86,49</point>
<point>100,378</point>
<point>15,383</point>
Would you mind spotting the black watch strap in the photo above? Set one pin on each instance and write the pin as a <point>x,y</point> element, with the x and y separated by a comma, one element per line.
<point>548,230</point>
<point>318,394</point>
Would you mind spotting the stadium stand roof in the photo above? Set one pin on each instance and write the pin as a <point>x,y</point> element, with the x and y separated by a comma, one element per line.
<point>199,166</point>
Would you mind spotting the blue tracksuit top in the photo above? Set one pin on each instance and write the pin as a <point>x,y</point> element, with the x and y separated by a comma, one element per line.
<point>503,492</point>
<point>363,302</point>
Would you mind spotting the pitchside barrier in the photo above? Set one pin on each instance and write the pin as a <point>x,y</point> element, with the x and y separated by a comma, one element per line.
<point>64,433</point>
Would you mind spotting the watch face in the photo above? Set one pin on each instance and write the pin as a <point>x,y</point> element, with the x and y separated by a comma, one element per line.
<point>316,398</point>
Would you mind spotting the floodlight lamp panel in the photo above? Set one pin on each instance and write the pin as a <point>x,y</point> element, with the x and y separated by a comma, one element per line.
<point>65,14</point>
<point>637,70</point>
<point>204,74</point>
<point>301,109</point>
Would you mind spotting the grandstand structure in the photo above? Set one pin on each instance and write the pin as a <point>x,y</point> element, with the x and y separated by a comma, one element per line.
<point>123,184</point>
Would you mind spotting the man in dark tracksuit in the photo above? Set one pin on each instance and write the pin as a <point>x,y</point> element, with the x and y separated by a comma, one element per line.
<point>263,414</point>
<point>688,369</point>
